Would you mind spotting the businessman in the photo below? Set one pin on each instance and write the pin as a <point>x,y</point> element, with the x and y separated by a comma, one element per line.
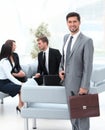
<point>48,60</point>
<point>76,64</point>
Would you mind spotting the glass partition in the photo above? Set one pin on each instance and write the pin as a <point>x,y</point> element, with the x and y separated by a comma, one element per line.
<point>19,16</point>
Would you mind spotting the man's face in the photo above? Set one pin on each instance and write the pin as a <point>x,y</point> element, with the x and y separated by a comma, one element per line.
<point>41,45</point>
<point>73,24</point>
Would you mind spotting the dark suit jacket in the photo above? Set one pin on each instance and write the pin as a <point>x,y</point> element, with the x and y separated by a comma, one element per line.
<point>54,62</point>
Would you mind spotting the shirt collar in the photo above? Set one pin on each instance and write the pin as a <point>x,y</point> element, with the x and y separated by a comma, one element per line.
<point>76,35</point>
<point>47,50</point>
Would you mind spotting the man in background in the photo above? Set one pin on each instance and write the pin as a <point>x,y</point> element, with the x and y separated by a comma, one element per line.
<point>48,60</point>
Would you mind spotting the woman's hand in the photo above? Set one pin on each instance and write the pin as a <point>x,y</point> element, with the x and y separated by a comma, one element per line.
<point>19,74</point>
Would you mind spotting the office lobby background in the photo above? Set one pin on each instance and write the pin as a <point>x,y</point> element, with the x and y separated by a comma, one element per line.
<point>17,17</point>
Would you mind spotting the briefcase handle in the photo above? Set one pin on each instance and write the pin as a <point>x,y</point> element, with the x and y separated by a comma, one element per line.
<point>72,94</point>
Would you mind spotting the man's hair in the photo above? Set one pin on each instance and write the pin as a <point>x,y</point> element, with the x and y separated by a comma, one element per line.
<point>73,14</point>
<point>43,39</point>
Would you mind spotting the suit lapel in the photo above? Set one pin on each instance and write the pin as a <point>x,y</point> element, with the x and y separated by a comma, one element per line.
<point>76,44</point>
<point>49,59</point>
<point>41,58</point>
<point>62,60</point>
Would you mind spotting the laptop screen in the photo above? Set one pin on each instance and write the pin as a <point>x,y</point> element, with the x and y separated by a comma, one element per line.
<point>52,80</point>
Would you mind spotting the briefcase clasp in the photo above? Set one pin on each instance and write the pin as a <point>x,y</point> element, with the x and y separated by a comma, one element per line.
<point>84,107</point>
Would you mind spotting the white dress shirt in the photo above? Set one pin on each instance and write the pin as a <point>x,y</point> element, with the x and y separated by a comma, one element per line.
<point>47,59</point>
<point>72,44</point>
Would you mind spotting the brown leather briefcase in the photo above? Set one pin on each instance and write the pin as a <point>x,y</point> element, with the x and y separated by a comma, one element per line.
<point>84,106</point>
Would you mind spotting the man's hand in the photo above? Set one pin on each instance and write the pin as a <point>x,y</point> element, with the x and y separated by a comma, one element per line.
<point>62,74</point>
<point>83,91</point>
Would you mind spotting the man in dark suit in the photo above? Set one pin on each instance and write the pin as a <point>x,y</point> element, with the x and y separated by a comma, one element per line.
<point>48,60</point>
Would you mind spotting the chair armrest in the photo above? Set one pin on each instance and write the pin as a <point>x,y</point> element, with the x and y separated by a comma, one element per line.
<point>31,92</point>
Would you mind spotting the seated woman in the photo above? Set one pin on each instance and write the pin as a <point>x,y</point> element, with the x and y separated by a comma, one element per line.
<point>8,83</point>
<point>17,71</point>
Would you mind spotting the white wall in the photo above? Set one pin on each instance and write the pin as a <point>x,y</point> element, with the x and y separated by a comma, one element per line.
<point>17,17</point>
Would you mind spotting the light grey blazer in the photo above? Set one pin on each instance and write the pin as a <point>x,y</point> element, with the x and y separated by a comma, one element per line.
<point>78,69</point>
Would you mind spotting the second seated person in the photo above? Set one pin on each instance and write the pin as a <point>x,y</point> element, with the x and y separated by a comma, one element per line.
<point>48,60</point>
<point>17,71</point>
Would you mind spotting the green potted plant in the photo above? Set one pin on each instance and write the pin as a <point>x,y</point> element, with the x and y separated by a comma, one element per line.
<point>42,30</point>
